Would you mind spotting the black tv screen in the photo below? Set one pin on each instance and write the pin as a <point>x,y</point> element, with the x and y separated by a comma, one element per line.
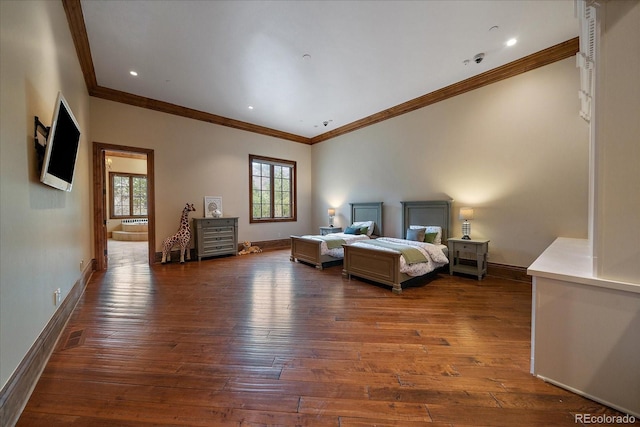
<point>61,150</point>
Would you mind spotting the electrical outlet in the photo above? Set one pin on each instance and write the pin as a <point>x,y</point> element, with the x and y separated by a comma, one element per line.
<point>56,296</point>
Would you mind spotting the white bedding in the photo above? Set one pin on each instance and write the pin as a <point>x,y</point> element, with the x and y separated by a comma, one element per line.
<point>435,255</point>
<point>337,252</point>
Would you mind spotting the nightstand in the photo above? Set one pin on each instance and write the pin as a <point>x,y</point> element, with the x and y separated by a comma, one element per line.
<point>328,230</point>
<point>474,249</point>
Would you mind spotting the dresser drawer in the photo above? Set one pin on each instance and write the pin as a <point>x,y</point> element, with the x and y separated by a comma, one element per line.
<point>468,247</point>
<point>217,222</point>
<point>216,238</point>
<point>218,248</point>
<point>217,231</point>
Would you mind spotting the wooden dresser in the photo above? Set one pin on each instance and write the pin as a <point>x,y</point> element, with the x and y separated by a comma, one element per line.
<point>215,236</point>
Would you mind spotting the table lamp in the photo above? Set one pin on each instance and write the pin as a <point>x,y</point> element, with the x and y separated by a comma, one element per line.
<point>332,214</point>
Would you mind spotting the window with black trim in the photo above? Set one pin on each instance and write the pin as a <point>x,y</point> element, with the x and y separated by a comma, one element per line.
<point>272,189</point>
<point>128,195</point>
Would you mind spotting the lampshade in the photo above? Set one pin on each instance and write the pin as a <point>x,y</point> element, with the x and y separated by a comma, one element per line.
<point>331,212</point>
<point>466,213</point>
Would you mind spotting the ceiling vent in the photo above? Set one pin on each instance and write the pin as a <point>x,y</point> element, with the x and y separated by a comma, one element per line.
<point>586,58</point>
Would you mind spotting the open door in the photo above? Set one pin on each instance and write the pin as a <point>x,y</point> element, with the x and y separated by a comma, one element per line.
<point>100,200</point>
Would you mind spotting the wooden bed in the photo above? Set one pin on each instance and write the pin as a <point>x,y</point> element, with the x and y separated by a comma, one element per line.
<point>384,267</point>
<point>309,250</point>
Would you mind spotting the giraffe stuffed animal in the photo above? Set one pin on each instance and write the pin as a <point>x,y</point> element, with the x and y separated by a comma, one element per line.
<point>182,237</point>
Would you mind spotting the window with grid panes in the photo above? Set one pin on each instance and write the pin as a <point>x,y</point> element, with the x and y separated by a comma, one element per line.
<point>128,195</point>
<point>272,189</point>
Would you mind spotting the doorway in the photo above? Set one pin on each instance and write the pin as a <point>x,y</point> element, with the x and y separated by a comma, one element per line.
<point>101,200</point>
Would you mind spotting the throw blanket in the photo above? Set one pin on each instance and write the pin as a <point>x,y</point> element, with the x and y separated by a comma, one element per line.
<point>332,241</point>
<point>411,255</point>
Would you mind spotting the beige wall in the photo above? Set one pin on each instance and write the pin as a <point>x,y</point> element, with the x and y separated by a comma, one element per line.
<point>195,159</point>
<point>486,149</point>
<point>516,151</point>
<point>617,174</point>
<point>45,233</point>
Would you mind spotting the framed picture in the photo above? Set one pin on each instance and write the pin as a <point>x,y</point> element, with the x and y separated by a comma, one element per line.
<point>212,206</point>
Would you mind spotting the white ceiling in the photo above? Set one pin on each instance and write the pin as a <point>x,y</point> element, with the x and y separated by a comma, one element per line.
<point>220,57</point>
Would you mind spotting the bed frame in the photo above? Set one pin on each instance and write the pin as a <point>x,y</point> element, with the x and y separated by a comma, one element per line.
<point>383,266</point>
<point>309,250</point>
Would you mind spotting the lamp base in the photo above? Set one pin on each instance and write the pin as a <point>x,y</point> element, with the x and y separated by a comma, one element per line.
<point>466,230</point>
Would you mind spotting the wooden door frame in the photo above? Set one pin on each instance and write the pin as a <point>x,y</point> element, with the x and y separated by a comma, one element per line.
<point>100,200</point>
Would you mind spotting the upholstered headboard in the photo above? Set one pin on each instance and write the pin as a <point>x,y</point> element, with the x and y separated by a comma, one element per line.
<point>368,212</point>
<point>431,212</point>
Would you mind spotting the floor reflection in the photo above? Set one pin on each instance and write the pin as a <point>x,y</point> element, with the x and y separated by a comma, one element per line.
<point>131,288</point>
<point>272,295</point>
<point>124,253</point>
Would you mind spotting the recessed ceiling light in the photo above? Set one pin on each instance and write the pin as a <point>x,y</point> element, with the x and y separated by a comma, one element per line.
<point>511,42</point>
<point>250,107</point>
<point>133,73</point>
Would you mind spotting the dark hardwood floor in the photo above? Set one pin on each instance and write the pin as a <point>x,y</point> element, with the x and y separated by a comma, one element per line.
<point>258,340</point>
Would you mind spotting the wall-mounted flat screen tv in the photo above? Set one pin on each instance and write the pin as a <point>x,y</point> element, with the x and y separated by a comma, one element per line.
<point>61,150</point>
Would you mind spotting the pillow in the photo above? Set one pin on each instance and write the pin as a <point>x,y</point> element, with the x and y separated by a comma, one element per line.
<point>429,237</point>
<point>352,230</point>
<point>369,224</point>
<point>364,230</point>
<point>415,234</point>
<point>435,229</point>
<point>431,229</point>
